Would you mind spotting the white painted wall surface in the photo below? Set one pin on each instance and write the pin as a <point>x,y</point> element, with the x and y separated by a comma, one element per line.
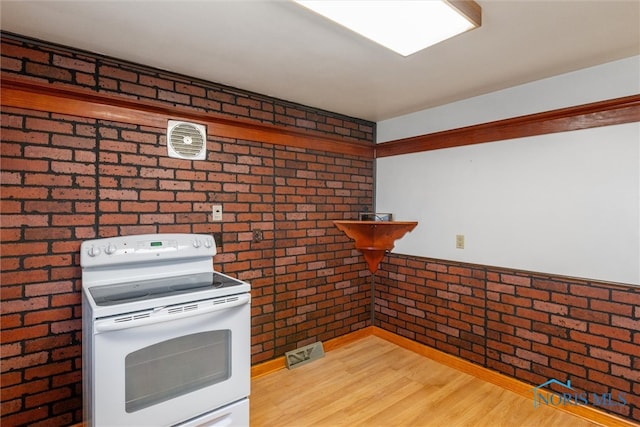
<point>613,80</point>
<point>566,203</point>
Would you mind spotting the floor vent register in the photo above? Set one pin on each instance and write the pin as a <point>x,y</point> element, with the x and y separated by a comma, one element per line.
<point>303,355</point>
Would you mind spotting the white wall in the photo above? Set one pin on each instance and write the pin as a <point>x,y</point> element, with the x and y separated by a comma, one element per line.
<point>566,203</point>
<point>608,81</point>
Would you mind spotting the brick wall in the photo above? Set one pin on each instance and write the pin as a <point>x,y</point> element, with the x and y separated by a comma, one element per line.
<point>66,179</point>
<point>530,326</point>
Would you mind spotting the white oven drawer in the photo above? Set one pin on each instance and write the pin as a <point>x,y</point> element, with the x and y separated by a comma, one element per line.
<point>161,373</point>
<point>234,415</point>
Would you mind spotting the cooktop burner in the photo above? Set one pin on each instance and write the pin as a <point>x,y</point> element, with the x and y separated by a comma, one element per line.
<point>156,288</point>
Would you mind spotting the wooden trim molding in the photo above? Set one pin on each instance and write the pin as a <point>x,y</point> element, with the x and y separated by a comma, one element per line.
<point>279,363</point>
<point>504,381</point>
<point>508,383</point>
<point>470,9</point>
<point>34,95</point>
<point>603,113</point>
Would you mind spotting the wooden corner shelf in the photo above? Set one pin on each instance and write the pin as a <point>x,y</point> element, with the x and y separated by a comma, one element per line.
<point>375,238</point>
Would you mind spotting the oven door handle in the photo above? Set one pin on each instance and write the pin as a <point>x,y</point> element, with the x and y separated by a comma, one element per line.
<point>167,314</point>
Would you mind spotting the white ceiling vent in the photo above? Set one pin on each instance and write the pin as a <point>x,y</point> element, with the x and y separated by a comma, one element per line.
<point>186,140</point>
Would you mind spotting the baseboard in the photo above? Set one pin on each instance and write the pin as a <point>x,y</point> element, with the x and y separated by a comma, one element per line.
<point>508,383</point>
<point>279,363</point>
<point>504,381</point>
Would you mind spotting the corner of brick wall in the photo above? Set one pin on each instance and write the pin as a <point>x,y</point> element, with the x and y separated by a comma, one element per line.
<point>530,326</point>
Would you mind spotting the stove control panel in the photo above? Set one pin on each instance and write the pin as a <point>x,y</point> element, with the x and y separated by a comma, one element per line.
<point>145,247</point>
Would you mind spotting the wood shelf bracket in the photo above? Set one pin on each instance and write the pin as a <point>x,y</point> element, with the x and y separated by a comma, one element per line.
<point>375,238</point>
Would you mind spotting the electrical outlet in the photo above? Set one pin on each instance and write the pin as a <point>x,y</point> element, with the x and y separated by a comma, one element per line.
<point>216,213</point>
<point>459,241</point>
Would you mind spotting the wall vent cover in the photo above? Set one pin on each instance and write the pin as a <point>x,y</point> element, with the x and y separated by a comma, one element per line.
<point>186,140</point>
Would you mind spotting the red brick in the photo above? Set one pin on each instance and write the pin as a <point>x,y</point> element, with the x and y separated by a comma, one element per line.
<point>549,351</point>
<point>550,307</point>
<point>73,194</point>
<point>532,356</point>
<point>15,306</point>
<point>609,380</point>
<point>568,368</point>
<point>516,301</point>
<point>501,288</point>
<point>23,361</point>
<point>11,64</point>
<point>588,362</point>
<point>43,316</point>
<point>9,264</point>
<point>42,261</point>
<point>117,73</point>
<point>611,356</point>
<point>569,323</point>
<point>533,336</point>
<point>627,296</point>
<point>515,280</point>
<point>569,345</point>
<point>589,339</point>
<point>534,294</point>
<point>589,315</point>
<point>46,343</point>
<point>570,300</point>
<point>21,52</point>
<point>136,89</point>
<point>625,322</point>
<point>48,125</point>
<point>610,307</point>
<point>625,347</point>
<point>23,277</point>
<point>610,332</point>
<point>516,321</point>
<point>35,400</point>
<point>183,99</point>
<point>532,314</point>
<point>630,374</point>
<point>73,168</point>
<point>63,220</point>
<point>589,291</point>
<point>48,71</point>
<point>38,179</point>
<point>516,361</point>
<point>74,63</point>
<point>550,285</point>
<point>24,165</point>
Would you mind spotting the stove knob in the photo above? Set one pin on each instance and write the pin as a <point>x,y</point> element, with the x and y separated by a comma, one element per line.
<point>110,249</point>
<point>196,243</point>
<point>207,243</point>
<point>94,251</point>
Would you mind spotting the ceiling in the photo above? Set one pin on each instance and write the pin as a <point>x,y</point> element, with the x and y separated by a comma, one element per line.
<point>280,49</point>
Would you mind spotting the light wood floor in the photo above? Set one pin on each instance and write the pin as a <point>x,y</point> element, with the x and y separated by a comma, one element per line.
<point>372,382</point>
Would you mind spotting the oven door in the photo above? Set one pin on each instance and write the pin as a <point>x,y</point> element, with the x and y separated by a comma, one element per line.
<point>163,366</point>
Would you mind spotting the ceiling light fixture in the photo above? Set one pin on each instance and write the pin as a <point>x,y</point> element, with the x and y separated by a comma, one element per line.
<point>404,26</point>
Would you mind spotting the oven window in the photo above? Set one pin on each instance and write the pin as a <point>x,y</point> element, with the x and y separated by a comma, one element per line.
<point>176,367</point>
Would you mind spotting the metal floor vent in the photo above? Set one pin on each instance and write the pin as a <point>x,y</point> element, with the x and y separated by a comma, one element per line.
<point>302,355</point>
